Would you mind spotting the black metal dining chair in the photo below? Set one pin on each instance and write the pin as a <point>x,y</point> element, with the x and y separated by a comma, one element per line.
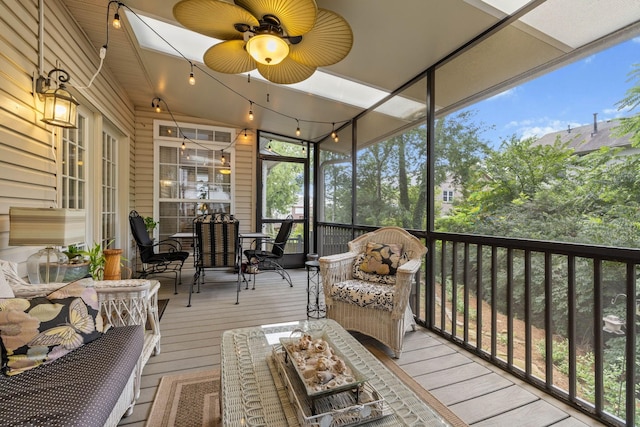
<point>157,263</point>
<point>264,260</point>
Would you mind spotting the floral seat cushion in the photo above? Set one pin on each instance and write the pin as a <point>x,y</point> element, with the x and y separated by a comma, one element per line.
<point>365,294</point>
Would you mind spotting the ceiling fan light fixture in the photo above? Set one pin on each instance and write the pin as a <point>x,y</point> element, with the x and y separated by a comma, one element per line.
<point>267,49</point>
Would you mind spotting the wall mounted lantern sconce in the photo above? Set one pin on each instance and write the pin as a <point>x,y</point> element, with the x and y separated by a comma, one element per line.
<point>60,107</point>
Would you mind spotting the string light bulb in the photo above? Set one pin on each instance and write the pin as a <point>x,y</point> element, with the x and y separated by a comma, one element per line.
<point>116,20</point>
<point>183,146</point>
<point>245,134</point>
<point>298,128</point>
<point>192,79</point>
<point>250,110</point>
<point>335,138</point>
<point>155,104</point>
<point>222,158</point>
<point>333,131</point>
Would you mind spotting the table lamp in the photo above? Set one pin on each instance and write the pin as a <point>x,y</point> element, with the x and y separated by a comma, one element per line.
<point>46,227</point>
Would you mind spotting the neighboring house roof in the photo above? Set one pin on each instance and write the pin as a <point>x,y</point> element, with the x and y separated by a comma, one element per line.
<point>588,138</point>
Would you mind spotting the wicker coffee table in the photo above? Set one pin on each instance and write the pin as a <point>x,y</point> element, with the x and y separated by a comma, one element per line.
<point>252,396</point>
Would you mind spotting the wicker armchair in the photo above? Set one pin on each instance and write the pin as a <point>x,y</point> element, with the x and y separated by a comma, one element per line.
<point>375,304</point>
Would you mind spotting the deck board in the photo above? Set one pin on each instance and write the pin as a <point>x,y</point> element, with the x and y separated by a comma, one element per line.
<point>469,389</point>
<point>191,342</point>
<point>493,404</point>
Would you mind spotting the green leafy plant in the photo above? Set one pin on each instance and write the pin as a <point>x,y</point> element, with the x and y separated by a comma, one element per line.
<point>96,259</point>
<point>74,254</point>
<point>150,224</point>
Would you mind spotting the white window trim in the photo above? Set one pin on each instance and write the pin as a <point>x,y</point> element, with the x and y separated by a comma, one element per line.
<point>167,141</point>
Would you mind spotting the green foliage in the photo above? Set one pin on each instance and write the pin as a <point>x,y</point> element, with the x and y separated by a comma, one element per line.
<point>74,254</point>
<point>96,261</point>
<point>150,224</point>
<point>284,181</point>
<point>459,148</point>
<point>631,125</point>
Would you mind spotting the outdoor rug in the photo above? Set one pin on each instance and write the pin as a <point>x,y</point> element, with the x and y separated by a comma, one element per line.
<point>193,399</point>
<point>187,400</point>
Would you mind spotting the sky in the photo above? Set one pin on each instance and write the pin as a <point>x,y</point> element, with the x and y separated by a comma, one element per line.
<point>567,96</point>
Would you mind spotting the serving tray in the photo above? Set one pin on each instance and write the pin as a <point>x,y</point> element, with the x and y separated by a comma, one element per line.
<point>302,360</point>
<point>351,407</point>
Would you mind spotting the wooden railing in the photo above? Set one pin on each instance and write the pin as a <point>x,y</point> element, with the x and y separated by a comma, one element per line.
<point>554,314</point>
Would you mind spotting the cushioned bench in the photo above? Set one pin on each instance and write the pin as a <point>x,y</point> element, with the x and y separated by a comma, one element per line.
<point>91,386</point>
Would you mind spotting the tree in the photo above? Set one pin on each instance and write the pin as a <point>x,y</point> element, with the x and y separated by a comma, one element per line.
<point>631,125</point>
<point>459,148</point>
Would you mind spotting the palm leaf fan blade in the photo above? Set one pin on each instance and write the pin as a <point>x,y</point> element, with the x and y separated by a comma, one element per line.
<point>286,72</point>
<point>326,44</point>
<point>229,57</point>
<point>296,16</point>
<point>213,18</point>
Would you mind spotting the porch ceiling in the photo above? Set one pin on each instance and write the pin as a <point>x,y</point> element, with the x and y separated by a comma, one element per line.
<point>393,42</point>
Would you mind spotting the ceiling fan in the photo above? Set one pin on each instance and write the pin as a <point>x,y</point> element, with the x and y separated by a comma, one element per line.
<point>286,40</point>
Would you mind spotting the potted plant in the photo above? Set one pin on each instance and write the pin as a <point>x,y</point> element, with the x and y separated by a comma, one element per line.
<point>96,261</point>
<point>150,224</point>
<point>77,266</point>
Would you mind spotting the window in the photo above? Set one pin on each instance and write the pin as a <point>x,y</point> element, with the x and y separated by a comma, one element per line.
<point>73,174</point>
<point>109,187</point>
<point>447,196</point>
<point>194,174</point>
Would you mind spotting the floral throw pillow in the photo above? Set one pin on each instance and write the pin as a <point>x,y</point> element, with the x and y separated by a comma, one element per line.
<point>382,258</point>
<point>40,330</point>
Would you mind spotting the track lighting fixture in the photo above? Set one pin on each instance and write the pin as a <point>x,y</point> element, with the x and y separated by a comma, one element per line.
<point>155,104</point>
<point>250,110</point>
<point>298,128</point>
<point>192,79</point>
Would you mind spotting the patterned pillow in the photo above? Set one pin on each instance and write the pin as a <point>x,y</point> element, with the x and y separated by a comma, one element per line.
<point>382,258</point>
<point>39,330</point>
<point>357,273</point>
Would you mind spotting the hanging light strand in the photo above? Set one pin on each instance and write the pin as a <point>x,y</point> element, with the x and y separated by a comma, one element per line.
<point>210,75</point>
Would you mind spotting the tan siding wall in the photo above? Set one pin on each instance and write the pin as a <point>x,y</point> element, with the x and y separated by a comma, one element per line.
<point>28,171</point>
<point>244,163</point>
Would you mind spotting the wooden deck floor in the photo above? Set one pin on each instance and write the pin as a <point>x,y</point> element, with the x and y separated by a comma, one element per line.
<point>478,393</point>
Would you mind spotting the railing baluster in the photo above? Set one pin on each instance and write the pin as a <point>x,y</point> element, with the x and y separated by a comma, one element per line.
<point>571,296</point>
<point>467,281</point>
<point>510,307</point>
<point>454,289</point>
<point>548,318</point>
<point>494,310</point>
<point>631,345</point>
<point>598,342</point>
<point>479,296</point>
<point>527,313</point>
<point>443,293</point>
